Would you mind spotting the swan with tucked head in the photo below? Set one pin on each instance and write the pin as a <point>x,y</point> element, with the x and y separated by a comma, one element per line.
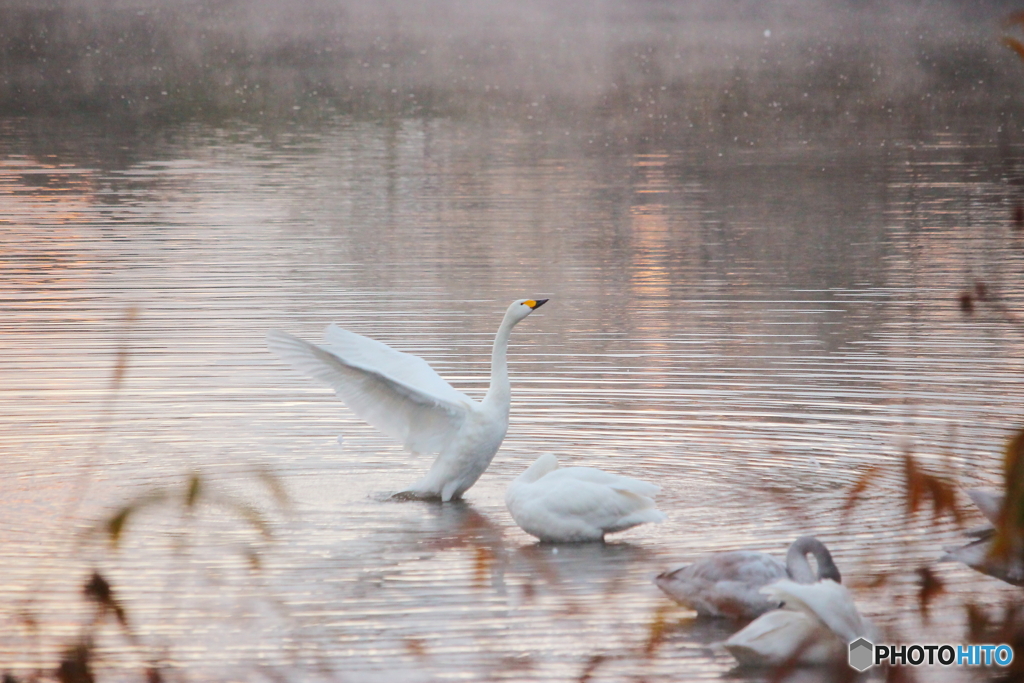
<point>729,584</point>
<point>402,396</point>
<point>814,626</point>
<point>574,504</point>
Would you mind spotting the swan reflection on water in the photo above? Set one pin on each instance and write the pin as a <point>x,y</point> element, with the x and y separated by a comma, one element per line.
<point>578,572</point>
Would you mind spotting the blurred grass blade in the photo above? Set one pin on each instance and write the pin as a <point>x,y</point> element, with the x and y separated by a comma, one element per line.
<point>921,485</point>
<point>930,586</point>
<point>275,486</point>
<point>1014,45</point>
<point>98,589</point>
<point>114,525</point>
<point>247,512</point>
<point>591,667</point>
<point>1009,541</point>
<point>657,630</point>
<point>193,490</point>
<point>482,564</point>
<point>1015,19</point>
<point>858,489</point>
<point>76,664</point>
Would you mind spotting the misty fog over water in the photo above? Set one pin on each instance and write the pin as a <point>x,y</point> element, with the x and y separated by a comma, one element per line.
<point>763,228</point>
<point>753,70</point>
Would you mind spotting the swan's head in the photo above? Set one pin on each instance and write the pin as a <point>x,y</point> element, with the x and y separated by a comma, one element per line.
<point>522,308</point>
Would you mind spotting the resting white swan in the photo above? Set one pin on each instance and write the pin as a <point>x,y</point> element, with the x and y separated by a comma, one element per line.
<point>402,396</point>
<point>978,554</point>
<point>729,584</point>
<point>815,625</point>
<point>574,504</point>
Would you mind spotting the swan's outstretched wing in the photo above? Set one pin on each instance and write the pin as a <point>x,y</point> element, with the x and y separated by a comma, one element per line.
<point>424,421</point>
<point>827,601</point>
<point>408,369</point>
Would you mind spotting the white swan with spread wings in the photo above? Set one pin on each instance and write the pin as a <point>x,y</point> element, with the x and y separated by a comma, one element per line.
<point>402,396</point>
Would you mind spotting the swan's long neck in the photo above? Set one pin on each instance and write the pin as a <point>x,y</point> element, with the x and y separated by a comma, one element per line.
<point>500,391</point>
<point>546,463</point>
<point>799,569</point>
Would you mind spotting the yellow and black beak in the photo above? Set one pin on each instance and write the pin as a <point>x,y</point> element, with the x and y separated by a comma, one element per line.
<point>535,303</point>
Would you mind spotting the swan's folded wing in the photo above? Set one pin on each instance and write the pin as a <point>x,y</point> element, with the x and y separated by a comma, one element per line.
<point>826,600</point>
<point>738,565</point>
<point>597,476</point>
<point>724,584</point>
<point>422,421</point>
<point>406,368</point>
<point>601,505</point>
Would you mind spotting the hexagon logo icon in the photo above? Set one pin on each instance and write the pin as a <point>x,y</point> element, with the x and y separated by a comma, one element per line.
<point>862,654</point>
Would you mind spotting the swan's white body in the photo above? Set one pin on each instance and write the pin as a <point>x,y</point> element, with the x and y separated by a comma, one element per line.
<point>402,396</point>
<point>978,553</point>
<point>729,584</point>
<point>815,625</point>
<point>573,504</point>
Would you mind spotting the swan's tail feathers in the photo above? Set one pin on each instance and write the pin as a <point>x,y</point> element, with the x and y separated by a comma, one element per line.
<point>685,592</point>
<point>671,574</point>
<point>652,516</point>
<point>643,489</point>
<point>641,510</point>
<point>638,501</point>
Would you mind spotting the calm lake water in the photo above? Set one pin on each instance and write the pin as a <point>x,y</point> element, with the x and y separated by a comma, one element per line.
<point>751,326</point>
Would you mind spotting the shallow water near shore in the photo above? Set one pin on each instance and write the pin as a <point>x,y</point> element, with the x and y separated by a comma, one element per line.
<point>750,327</point>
